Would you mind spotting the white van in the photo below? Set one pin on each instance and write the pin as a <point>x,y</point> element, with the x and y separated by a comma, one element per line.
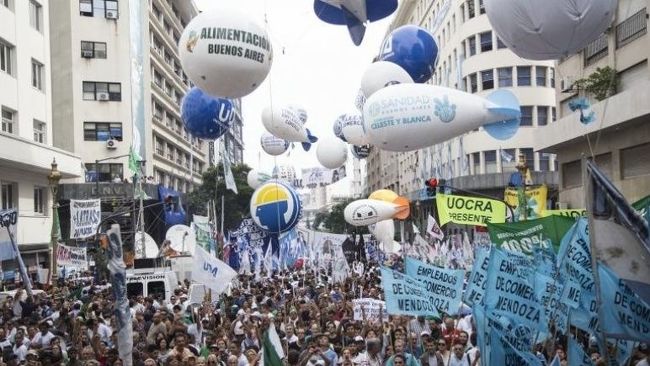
<point>151,282</point>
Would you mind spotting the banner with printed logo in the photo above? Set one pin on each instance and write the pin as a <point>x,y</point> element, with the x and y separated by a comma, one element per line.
<point>71,256</point>
<point>211,272</point>
<point>469,210</point>
<point>320,177</point>
<point>85,216</point>
<point>444,285</point>
<point>523,236</point>
<point>527,204</point>
<point>405,295</point>
<point>372,308</point>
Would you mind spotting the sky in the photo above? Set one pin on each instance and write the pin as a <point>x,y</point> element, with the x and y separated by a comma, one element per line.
<point>315,65</point>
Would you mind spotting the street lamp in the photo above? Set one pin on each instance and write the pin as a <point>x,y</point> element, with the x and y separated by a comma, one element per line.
<point>53,178</point>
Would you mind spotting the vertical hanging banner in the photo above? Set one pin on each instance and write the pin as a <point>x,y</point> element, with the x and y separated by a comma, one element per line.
<point>405,295</point>
<point>524,236</point>
<point>478,279</point>
<point>85,216</point>
<point>548,291</point>
<point>445,286</point>
<point>469,210</point>
<point>529,204</point>
<point>574,264</point>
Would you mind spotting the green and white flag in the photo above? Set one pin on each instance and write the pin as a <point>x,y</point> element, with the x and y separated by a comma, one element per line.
<point>134,161</point>
<point>272,353</point>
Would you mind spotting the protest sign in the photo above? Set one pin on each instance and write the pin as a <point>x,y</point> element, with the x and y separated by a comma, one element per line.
<point>320,177</point>
<point>405,295</point>
<point>478,278</point>
<point>548,291</point>
<point>574,264</point>
<point>371,309</point>
<point>444,285</point>
<point>85,216</point>
<point>523,236</point>
<point>469,210</point>
<point>534,204</point>
<point>510,349</point>
<point>71,256</point>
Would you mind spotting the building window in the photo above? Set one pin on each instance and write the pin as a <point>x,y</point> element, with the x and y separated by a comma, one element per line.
<point>634,161</point>
<point>505,76</point>
<point>106,172</point>
<point>40,132</point>
<point>490,161</point>
<point>540,75</point>
<point>529,157</point>
<point>8,119</point>
<point>476,162</point>
<point>552,78</point>
<point>105,8</point>
<point>553,115</point>
<point>37,75</point>
<point>86,7</point>
<point>544,162</point>
<point>6,58</point>
<point>526,116</point>
<point>481,7</point>
<point>7,4</point>
<point>102,91</point>
<point>91,49</point>
<point>157,79</point>
<point>631,28</point>
<point>486,41</point>
<point>500,44</point>
<point>596,50</point>
<point>523,75</point>
<point>471,9</point>
<point>171,150</point>
<point>39,200</point>
<point>9,195</point>
<point>102,131</point>
<point>473,83</point>
<point>158,111</point>
<point>572,174</point>
<point>487,79</point>
<point>542,115</point>
<point>160,146</point>
<point>472,46</point>
<point>35,15</point>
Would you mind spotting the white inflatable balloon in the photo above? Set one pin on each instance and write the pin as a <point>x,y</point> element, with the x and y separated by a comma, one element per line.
<point>272,145</point>
<point>352,130</point>
<point>550,29</point>
<point>360,100</point>
<point>285,123</point>
<point>332,152</point>
<point>384,232</point>
<point>302,112</point>
<point>256,178</point>
<point>367,211</point>
<point>408,117</point>
<point>225,52</point>
<point>381,74</point>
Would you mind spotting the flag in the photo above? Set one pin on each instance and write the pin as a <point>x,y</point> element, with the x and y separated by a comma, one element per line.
<point>272,353</point>
<point>434,229</point>
<point>576,354</point>
<point>227,173</point>
<point>643,206</point>
<point>620,237</point>
<point>211,272</point>
<point>134,161</point>
<point>505,156</point>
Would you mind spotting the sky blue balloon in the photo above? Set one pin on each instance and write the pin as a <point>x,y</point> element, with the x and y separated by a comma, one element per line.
<point>205,116</point>
<point>414,49</point>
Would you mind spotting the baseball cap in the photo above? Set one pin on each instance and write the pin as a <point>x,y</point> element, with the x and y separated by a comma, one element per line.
<point>358,339</point>
<point>425,333</point>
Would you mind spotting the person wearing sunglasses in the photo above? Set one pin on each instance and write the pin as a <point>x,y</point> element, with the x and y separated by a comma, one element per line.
<point>443,349</point>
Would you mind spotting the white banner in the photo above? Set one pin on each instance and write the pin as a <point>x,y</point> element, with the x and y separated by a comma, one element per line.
<point>71,256</point>
<point>433,229</point>
<point>85,216</point>
<point>319,176</point>
<point>371,309</point>
<point>211,272</point>
<point>325,247</point>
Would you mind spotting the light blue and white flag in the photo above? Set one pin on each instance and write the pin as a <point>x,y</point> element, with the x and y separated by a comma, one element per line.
<point>576,354</point>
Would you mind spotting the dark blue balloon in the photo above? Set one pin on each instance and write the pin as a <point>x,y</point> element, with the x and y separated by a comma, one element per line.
<point>414,49</point>
<point>205,116</point>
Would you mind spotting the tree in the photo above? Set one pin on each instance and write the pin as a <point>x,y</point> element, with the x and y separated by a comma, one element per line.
<point>237,206</point>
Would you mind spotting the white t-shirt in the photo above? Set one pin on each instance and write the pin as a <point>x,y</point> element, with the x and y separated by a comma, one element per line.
<point>453,361</point>
<point>43,340</point>
<point>643,362</point>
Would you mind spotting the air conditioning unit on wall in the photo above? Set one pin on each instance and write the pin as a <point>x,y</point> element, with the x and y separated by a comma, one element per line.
<point>111,14</point>
<point>111,144</point>
<point>103,96</point>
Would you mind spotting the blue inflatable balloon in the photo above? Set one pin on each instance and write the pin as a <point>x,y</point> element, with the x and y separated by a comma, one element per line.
<point>275,207</point>
<point>414,49</point>
<point>205,116</point>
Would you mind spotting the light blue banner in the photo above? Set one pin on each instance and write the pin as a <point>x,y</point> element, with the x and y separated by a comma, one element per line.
<point>505,353</point>
<point>576,354</point>
<point>478,279</point>
<point>574,263</point>
<point>405,295</point>
<point>624,314</point>
<point>510,291</point>
<point>445,286</point>
<point>624,350</point>
<point>548,292</point>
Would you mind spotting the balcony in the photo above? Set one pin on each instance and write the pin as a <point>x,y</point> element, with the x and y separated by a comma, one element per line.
<point>28,155</point>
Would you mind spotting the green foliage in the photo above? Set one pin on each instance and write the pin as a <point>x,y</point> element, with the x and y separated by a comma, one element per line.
<point>601,84</point>
<point>237,206</point>
<point>334,220</point>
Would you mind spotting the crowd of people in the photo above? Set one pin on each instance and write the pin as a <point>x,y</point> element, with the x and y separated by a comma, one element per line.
<point>74,324</point>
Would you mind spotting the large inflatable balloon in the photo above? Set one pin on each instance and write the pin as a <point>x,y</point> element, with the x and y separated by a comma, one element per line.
<point>551,29</point>
<point>414,49</point>
<point>385,195</point>
<point>381,74</point>
<point>256,178</point>
<point>384,232</point>
<point>272,145</point>
<point>285,123</point>
<point>275,207</point>
<point>367,211</point>
<point>302,113</point>
<point>360,152</point>
<point>349,124</point>
<point>205,116</point>
<point>225,52</point>
<point>430,114</point>
<point>331,152</point>
<point>360,100</point>
<point>354,14</point>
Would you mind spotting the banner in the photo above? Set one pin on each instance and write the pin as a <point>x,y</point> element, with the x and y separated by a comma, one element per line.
<point>576,354</point>
<point>405,295</point>
<point>526,205</point>
<point>350,250</point>
<point>433,229</point>
<point>445,286</point>
<point>320,177</point>
<point>85,216</point>
<point>469,210</point>
<point>325,247</point>
<point>575,213</point>
<point>71,256</point>
<point>506,349</point>
<point>548,291</point>
<point>523,236</point>
<point>211,272</point>
<point>201,226</point>
<point>478,278</point>
<point>8,224</point>
<point>371,309</point>
<point>574,265</point>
